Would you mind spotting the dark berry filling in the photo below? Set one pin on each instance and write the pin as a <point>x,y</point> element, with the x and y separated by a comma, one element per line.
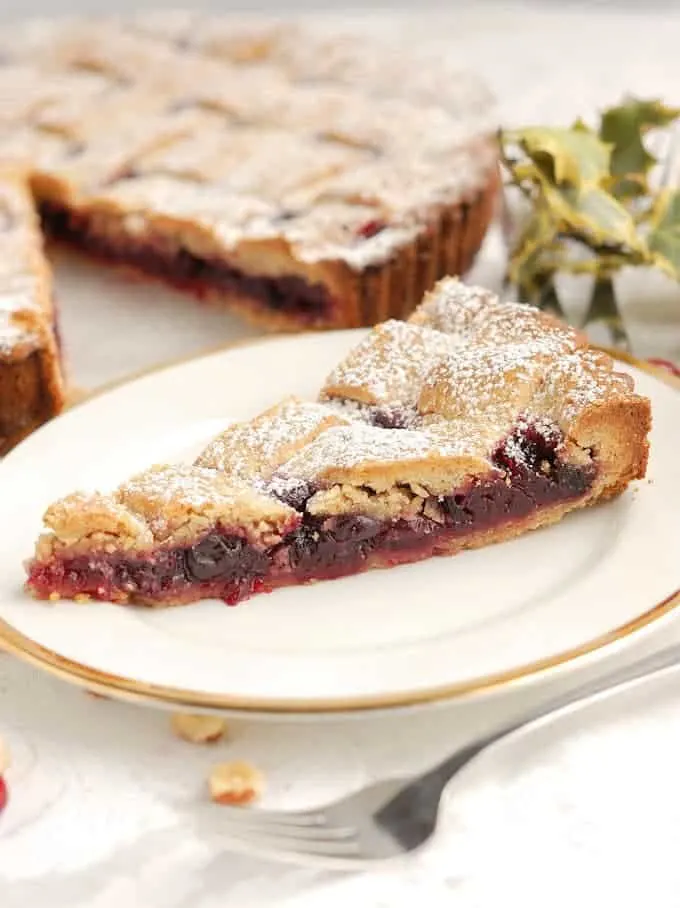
<point>343,545</point>
<point>391,417</point>
<point>332,547</point>
<point>224,565</point>
<point>530,458</point>
<point>287,294</point>
<point>219,565</point>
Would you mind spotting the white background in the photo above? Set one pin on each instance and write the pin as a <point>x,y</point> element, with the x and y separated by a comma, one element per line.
<point>108,810</point>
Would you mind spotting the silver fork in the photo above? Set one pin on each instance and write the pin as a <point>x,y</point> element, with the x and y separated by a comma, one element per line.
<point>396,816</point>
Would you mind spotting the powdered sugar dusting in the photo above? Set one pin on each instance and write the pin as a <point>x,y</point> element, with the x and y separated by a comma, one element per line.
<point>580,380</point>
<point>164,486</point>
<point>24,297</point>
<point>313,50</point>
<point>13,334</point>
<point>463,353</point>
<point>390,365</point>
<point>250,452</point>
<point>348,447</point>
<point>170,498</point>
<point>476,315</point>
<point>328,133</point>
<point>499,381</point>
<point>541,430</point>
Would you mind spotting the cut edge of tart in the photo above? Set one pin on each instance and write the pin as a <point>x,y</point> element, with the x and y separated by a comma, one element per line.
<point>471,423</point>
<point>31,385</point>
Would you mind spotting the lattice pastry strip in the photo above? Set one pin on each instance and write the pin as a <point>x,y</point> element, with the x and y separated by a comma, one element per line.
<point>93,160</point>
<point>252,451</point>
<point>390,366</point>
<point>241,158</point>
<point>113,52</point>
<point>366,455</point>
<point>476,315</point>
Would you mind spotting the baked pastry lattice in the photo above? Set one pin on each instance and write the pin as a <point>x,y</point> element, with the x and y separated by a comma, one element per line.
<point>307,181</point>
<point>471,423</point>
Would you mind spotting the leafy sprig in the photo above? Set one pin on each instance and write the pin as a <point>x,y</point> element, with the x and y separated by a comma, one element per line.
<point>592,207</point>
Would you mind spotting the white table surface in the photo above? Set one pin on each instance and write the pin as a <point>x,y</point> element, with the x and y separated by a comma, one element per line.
<point>107,808</point>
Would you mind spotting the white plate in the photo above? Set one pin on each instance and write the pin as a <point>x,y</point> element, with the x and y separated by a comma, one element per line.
<point>419,632</point>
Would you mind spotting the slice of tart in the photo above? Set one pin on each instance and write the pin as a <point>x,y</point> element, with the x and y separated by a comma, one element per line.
<point>469,424</point>
<point>31,389</point>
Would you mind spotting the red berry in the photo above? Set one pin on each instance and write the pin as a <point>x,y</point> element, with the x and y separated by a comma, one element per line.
<point>3,793</point>
<point>370,229</point>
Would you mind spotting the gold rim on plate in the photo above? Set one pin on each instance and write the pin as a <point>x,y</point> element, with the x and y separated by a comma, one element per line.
<point>177,698</point>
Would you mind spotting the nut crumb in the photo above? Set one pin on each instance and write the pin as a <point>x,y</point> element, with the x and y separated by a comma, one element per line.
<point>199,729</point>
<point>54,597</point>
<point>237,783</point>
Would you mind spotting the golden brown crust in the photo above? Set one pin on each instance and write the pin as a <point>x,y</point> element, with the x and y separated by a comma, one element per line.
<point>616,432</point>
<point>448,247</point>
<point>31,392</point>
<point>31,386</point>
<point>252,451</point>
<point>164,505</point>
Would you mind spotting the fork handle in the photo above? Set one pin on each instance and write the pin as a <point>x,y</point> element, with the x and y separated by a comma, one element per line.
<point>409,815</point>
<point>645,667</point>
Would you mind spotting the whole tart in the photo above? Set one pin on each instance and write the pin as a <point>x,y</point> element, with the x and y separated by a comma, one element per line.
<point>470,423</point>
<point>306,179</point>
<point>30,374</point>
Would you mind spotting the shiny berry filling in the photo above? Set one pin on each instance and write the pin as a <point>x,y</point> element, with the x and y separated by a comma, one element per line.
<point>220,565</point>
<point>224,565</point>
<point>186,271</point>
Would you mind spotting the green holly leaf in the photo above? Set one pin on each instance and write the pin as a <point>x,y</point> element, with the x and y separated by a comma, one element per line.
<point>664,236</point>
<point>594,215</point>
<point>623,128</point>
<point>564,156</point>
<point>605,219</point>
<point>537,238</point>
<point>580,185</point>
<point>526,173</point>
